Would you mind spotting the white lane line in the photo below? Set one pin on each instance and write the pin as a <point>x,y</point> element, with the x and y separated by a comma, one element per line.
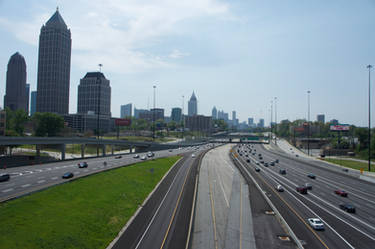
<point>222,187</point>
<point>26,185</point>
<point>41,181</point>
<point>77,172</point>
<point>54,178</point>
<point>7,190</point>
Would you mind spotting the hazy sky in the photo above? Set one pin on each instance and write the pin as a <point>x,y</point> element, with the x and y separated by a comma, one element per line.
<point>236,55</point>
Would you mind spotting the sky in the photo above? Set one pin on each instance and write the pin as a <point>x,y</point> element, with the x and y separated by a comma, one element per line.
<point>235,55</point>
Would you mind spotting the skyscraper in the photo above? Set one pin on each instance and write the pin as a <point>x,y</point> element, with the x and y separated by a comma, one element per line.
<point>27,97</point>
<point>193,105</point>
<point>15,92</point>
<point>126,110</point>
<point>93,91</point>
<point>33,103</point>
<point>54,66</point>
<point>250,121</point>
<point>176,114</point>
<point>261,123</point>
<point>214,113</point>
<point>320,118</point>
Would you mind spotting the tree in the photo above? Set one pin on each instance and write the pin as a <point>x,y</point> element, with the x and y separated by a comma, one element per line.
<point>47,124</point>
<point>15,121</point>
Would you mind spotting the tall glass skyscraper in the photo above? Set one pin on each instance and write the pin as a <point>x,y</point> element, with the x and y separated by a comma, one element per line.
<point>193,106</point>
<point>54,66</point>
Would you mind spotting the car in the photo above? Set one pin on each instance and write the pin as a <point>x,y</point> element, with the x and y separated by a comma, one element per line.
<point>68,175</point>
<point>136,156</point>
<point>297,155</point>
<point>279,188</point>
<point>82,165</point>
<point>282,171</point>
<point>143,157</point>
<point>118,157</point>
<point>257,163</point>
<point>170,150</point>
<point>308,186</point>
<point>265,164</point>
<point>316,223</point>
<point>312,176</point>
<point>4,177</point>
<point>262,162</point>
<point>302,190</point>
<point>240,154</point>
<point>341,193</point>
<point>246,155</point>
<point>150,154</point>
<point>259,154</point>
<point>347,207</point>
<point>277,161</point>
<point>257,169</point>
<point>248,160</point>
<point>192,155</point>
<point>260,158</point>
<point>272,163</point>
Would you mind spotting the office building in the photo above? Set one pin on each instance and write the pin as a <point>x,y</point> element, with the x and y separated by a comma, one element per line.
<point>89,122</point>
<point>198,123</point>
<point>54,66</point>
<point>33,103</point>
<point>193,105</point>
<point>250,121</point>
<point>334,121</point>
<point>94,91</point>
<point>176,115</point>
<point>261,123</point>
<point>137,112</point>
<point>214,113</point>
<point>126,110</point>
<point>15,92</point>
<point>234,115</point>
<point>320,118</point>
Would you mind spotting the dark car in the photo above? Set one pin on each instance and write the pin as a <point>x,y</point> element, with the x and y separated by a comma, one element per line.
<point>118,157</point>
<point>262,162</point>
<point>260,158</point>
<point>341,193</point>
<point>302,190</point>
<point>4,177</point>
<point>308,186</point>
<point>277,161</point>
<point>67,175</point>
<point>312,176</point>
<point>347,207</point>
<point>82,165</point>
<point>248,160</point>
<point>257,169</point>
<point>282,171</point>
<point>272,163</point>
<point>265,164</point>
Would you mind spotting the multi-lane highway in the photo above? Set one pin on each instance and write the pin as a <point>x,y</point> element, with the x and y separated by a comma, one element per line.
<point>342,229</point>
<point>27,179</point>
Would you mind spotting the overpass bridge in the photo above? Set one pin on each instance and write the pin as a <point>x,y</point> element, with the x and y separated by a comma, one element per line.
<point>61,142</point>
<point>240,137</point>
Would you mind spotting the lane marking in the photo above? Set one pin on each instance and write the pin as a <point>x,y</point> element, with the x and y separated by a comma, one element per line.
<point>212,210</point>
<point>7,190</point>
<point>222,187</point>
<point>41,181</point>
<point>26,185</point>
<point>54,178</point>
<point>241,215</point>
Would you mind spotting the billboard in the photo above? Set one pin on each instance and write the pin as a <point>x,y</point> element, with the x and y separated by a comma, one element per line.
<point>339,127</point>
<point>123,122</point>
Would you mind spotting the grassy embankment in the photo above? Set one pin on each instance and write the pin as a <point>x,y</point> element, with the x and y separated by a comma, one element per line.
<point>351,164</point>
<point>86,213</point>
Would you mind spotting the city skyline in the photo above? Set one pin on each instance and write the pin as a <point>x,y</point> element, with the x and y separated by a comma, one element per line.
<point>332,65</point>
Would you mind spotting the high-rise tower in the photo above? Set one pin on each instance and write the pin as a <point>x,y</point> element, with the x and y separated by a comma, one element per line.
<point>193,106</point>
<point>54,66</point>
<point>15,93</point>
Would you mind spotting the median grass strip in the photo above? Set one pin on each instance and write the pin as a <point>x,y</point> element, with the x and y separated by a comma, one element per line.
<point>86,213</point>
<point>351,164</point>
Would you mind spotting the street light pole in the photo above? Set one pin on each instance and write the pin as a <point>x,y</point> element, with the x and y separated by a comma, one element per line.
<point>369,117</point>
<point>308,123</point>
<point>271,119</point>
<point>153,117</point>
<point>275,120</point>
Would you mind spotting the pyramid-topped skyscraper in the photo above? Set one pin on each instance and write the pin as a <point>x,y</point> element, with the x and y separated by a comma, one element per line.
<point>55,45</point>
<point>193,106</point>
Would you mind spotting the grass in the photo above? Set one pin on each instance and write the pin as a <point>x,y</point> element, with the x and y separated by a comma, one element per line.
<point>351,164</point>
<point>86,213</point>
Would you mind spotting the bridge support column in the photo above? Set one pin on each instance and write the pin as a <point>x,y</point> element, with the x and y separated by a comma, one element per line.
<point>63,148</point>
<point>83,150</point>
<point>131,149</point>
<point>37,146</point>
<point>103,150</point>
<point>113,149</point>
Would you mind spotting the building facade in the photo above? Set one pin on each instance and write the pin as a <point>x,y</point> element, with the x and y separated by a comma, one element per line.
<point>199,123</point>
<point>250,121</point>
<point>137,112</point>
<point>320,118</point>
<point>193,105</point>
<point>261,123</point>
<point>214,113</point>
<point>94,94</point>
<point>54,66</point>
<point>33,103</point>
<point>15,93</point>
<point>126,110</point>
<point>89,122</point>
<point>176,114</point>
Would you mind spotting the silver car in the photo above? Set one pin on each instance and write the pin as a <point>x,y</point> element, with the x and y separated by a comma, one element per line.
<point>316,223</point>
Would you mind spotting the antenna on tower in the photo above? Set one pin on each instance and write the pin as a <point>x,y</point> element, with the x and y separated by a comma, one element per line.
<point>100,67</point>
<point>57,8</point>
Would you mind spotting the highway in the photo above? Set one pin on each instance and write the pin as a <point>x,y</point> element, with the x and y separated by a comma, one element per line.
<point>27,179</point>
<point>343,230</point>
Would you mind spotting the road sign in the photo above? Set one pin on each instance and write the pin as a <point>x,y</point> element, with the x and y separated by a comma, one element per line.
<point>339,127</point>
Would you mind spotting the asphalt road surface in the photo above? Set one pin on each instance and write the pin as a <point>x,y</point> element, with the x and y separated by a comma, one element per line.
<point>26,179</point>
<point>342,229</point>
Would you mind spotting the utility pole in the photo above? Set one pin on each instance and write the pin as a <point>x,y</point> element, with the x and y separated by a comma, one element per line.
<point>369,117</point>
<point>271,120</point>
<point>275,120</point>
<point>308,123</point>
<point>153,117</point>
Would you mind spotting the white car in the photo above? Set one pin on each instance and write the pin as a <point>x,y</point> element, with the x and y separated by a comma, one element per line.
<point>143,157</point>
<point>192,155</point>
<point>316,223</point>
<point>279,188</point>
<point>136,156</point>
